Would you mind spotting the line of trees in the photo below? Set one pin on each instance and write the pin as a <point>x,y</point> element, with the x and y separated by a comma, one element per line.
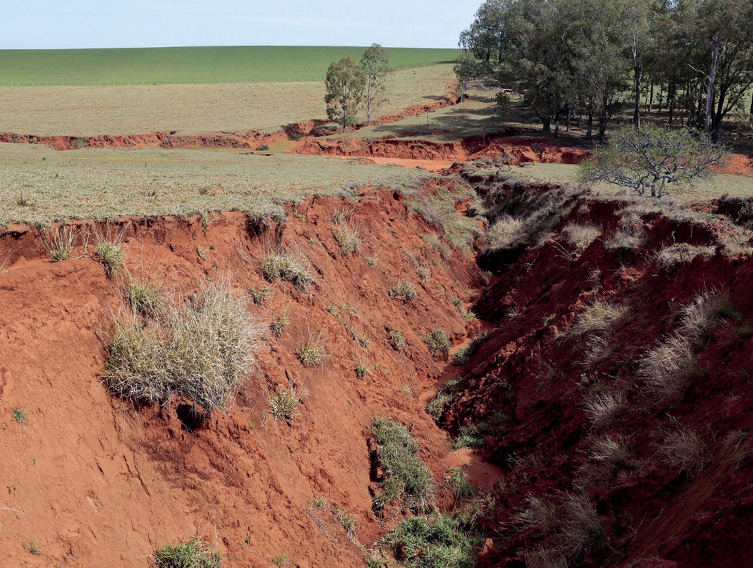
<point>692,59</point>
<point>349,85</point>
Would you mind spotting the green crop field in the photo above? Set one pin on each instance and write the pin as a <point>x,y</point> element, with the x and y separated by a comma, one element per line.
<point>189,64</point>
<point>39,185</point>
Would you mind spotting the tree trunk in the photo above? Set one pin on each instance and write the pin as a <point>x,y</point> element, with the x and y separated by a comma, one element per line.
<point>637,76</point>
<point>603,119</point>
<point>719,115</point>
<point>671,94</point>
<point>546,125</point>
<point>590,124</point>
<point>556,125</point>
<point>661,96</point>
<point>715,54</point>
<point>651,97</point>
<point>569,117</point>
<point>751,104</point>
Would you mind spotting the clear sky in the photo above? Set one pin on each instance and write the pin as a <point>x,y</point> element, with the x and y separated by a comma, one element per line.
<point>35,24</point>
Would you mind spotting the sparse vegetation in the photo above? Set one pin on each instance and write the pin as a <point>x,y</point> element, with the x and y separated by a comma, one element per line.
<point>348,239</point>
<point>474,434</point>
<point>279,324</point>
<point>667,369</point>
<point>259,295</point>
<point>19,415</point>
<point>462,355</point>
<point>398,341</point>
<point>281,561</point>
<point>59,243</point>
<point>361,370</point>
<point>289,267</point>
<point>424,273</point>
<point>311,351</point>
<point>404,291</point>
<point>348,523</point>
<point>191,554</point>
<point>438,342</point>
<point>109,249</point>
<point>604,407</point>
<point>406,478</point>
<point>460,484</point>
<point>284,403</point>
<point>203,351</point>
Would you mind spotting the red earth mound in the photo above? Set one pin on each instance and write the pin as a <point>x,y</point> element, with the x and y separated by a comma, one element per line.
<point>103,484</point>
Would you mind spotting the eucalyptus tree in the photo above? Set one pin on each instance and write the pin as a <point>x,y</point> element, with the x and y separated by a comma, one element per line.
<point>344,83</point>
<point>376,65</point>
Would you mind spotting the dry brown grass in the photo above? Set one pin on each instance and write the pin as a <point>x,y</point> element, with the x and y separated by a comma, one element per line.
<point>666,369</point>
<point>581,236</point>
<point>204,350</point>
<point>684,450</point>
<point>605,407</point>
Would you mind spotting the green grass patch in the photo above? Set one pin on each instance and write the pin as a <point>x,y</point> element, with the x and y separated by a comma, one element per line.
<point>435,541</point>
<point>406,478</point>
<point>191,554</point>
<point>104,183</point>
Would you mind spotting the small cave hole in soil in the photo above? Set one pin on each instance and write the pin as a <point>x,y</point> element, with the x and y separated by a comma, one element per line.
<point>191,417</point>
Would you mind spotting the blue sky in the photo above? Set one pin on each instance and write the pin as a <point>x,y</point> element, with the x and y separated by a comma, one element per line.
<point>36,24</point>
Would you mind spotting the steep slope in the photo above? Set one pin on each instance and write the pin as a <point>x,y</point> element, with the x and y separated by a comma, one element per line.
<point>101,483</point>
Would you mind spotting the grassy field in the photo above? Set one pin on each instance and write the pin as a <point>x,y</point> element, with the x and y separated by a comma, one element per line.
<point>190,64</point>
<point>703,191</point>
<point>38,184</point>
<point>194,108</point>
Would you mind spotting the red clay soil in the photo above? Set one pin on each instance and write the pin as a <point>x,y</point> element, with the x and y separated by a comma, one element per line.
<point>533,371</point>
<point>103,484</point>
<point>517,150</point>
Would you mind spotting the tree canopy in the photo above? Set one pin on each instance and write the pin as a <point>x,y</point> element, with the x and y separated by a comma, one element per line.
<point>344,83</point>
<point>376,65</point>
<point>650,159</point>
<point>693,58</point>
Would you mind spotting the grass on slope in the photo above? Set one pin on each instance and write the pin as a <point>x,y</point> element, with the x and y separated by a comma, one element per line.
<point>703,191</point>
<point>38,185</point>
<point>190,64</point>
<point>193,109</point>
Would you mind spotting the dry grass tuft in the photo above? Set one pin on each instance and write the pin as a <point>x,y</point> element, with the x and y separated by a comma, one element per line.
<point>667,369</point>
<point>311,351</point>
<point>605,407</point>
<point>539,512</point>
<point>109,249</point>
<point>287,266</point>
<point>581,236</point>
<point>348,239</point>
<point>506,232</point>
<point>684,450</point>
<point>202,351</point>
<point>404,291</point>
<point>681,253</point>
<point>599,317</point>
<point>581,528</point>
<point>542,558</point>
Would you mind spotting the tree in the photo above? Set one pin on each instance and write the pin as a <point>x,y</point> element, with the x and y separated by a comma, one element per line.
<point>649,159</point>
<point>375,64</point>
<point>344,82</point>
<point>466,68</point>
